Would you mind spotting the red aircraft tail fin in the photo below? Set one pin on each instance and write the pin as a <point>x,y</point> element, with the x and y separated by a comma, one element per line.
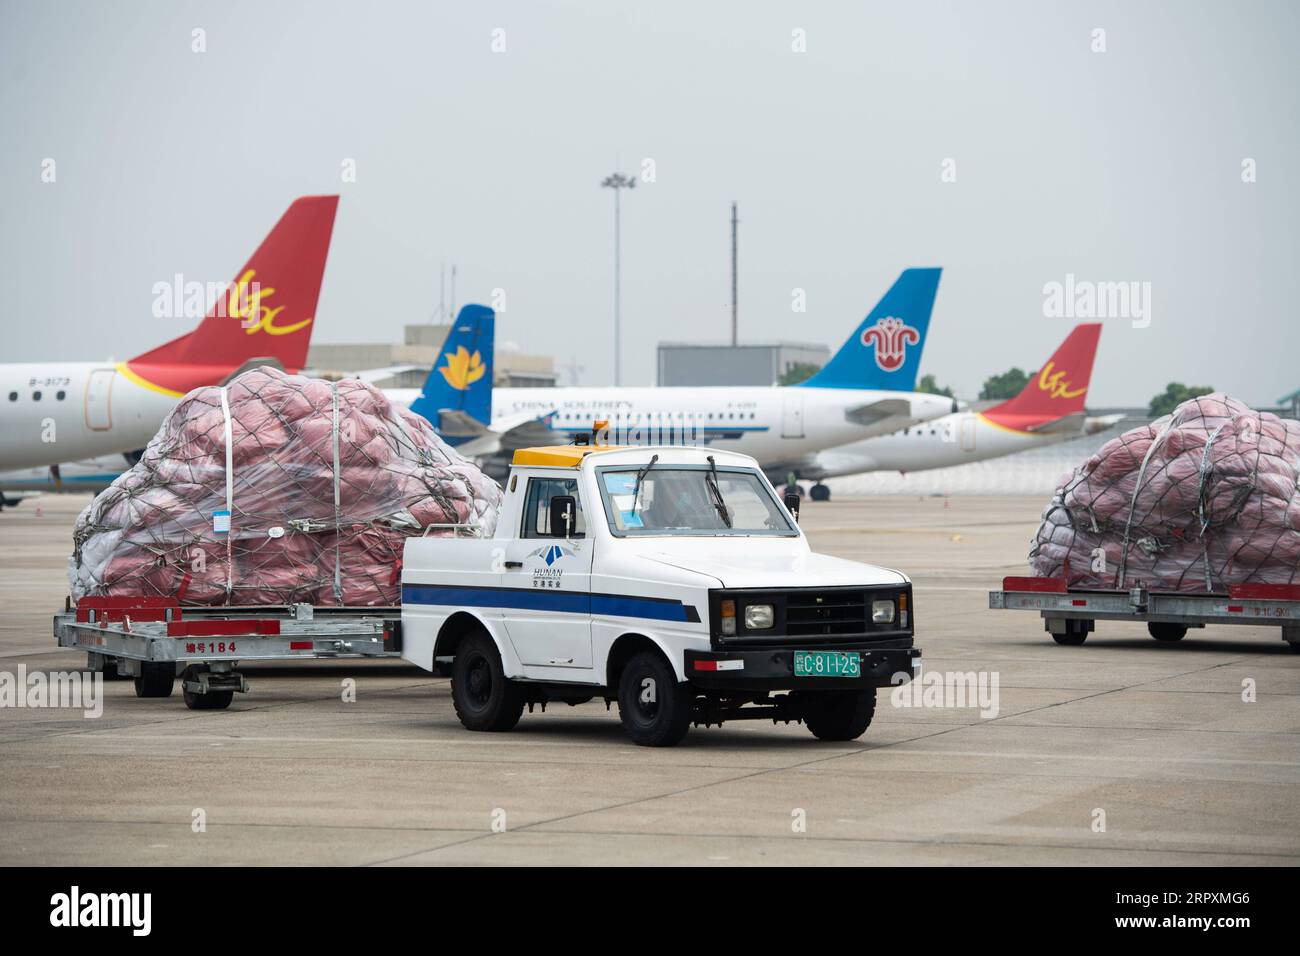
<point>1060,387</point>
<point>266,313</point>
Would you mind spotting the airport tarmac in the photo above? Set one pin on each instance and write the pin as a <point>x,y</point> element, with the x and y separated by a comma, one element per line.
<point>1155,741</point>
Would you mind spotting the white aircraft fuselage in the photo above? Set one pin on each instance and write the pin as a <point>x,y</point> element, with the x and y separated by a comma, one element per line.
<point>57,412</point>
<point>954,439</point>
<point>772,424</point>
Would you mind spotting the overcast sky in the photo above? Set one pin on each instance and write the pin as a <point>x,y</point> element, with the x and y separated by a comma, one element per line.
<point>1123,165</point>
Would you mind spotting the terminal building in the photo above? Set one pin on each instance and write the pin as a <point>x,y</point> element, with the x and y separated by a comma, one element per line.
<point>689,363</point>
<point>420,348</point>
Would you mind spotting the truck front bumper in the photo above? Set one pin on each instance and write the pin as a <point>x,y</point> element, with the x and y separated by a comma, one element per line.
<point>772,668</point>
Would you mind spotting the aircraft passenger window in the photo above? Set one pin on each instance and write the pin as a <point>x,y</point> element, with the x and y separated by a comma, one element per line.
<point>13,396</point>
<point>61,395</point>
<point>537,507</point>
<point>36,396</point>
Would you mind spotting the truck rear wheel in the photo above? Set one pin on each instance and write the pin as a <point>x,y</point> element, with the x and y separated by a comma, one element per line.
<point>654,707</point>
<point>1165,631</point>
<point>484,698</point>
<point>839,715</point>
<point>155,680</point>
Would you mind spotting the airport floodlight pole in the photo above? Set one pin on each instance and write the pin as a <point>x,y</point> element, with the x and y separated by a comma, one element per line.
<point>734,283</point>
<point>617,182</point>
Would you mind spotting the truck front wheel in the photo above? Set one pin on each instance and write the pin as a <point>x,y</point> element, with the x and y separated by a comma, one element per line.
<point>484,698</point>
<point>839,715</point>
<point>654,707</point>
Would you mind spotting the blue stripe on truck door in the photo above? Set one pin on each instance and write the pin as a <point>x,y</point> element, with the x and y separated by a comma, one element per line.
<point>539,599</point>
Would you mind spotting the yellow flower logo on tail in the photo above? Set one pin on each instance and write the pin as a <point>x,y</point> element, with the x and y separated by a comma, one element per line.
<point>462,369</point>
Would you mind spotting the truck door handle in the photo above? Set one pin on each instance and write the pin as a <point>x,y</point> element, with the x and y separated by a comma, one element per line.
<point>514,564</point>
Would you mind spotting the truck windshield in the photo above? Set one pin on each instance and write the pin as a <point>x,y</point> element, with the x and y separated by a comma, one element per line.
<point>684,499</point>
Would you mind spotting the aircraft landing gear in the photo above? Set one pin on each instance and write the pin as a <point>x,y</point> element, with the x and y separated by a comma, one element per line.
<point>820,492</point>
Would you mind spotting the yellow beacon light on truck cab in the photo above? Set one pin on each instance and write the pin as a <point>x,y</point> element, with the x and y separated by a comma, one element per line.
<point>567,456</point>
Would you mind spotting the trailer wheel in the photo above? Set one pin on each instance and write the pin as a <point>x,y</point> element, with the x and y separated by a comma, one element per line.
<point>484,698</point>
<point>839,715</point>
<point>654,707</point>
<point>110,669</point>
<point>1070,632</point>
<point>212,700</point>
<point>1164,631</point>
<point>1070,640</point>
<point>155,680</point>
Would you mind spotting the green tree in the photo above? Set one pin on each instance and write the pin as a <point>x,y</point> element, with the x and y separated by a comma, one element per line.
<point>798,372</point>
<point>1007,385</point>
<point>1175,394</point>
<point>931,387</point>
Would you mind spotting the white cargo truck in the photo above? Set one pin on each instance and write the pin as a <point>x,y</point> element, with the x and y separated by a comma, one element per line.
<point>672,580</point>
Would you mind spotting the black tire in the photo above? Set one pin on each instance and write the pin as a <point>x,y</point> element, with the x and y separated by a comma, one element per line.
<point>1164,631</point>
<point>1072,639</point>
<point>212,700</point>
<point>662,721</point>
<point>839,714</point>
<point>155,680</point>
<point>484,698</point>
<point>819,492</point>
<point>112,671</point>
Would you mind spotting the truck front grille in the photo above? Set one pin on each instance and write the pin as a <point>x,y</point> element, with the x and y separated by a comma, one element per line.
<point>827,617</point>
<point>829,613</point>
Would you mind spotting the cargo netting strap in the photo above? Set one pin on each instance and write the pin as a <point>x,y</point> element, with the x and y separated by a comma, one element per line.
<point>229,443</point>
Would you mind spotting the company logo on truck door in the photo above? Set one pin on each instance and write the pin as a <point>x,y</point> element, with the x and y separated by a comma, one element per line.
<point>890,337</point>
<point>549,576</point>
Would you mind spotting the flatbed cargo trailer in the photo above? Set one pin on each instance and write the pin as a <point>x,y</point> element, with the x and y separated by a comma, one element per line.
<point>1070,613</point>
<point>153,639</point>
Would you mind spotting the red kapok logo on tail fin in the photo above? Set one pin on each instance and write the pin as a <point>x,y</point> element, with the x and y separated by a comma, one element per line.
<point>890,337</point>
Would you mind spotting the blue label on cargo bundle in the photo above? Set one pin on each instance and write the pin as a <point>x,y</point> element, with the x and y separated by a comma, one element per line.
<point>221,522</point>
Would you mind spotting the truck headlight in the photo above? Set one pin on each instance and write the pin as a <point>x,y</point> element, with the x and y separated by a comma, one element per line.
<point>882,612</point>
<point>758,617</point>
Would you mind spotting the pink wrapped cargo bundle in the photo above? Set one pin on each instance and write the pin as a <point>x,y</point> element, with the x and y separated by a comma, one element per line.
<point>1195,501</point>
<point>321,482</point>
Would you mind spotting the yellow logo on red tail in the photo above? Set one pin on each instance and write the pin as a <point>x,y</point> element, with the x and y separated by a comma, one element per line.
<point>462,369</point>
<point>245,303</point>
<point>1055,385</point>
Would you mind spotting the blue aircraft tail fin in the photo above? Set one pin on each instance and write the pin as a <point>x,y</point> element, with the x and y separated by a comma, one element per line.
<point>885,351</point>
<point>461,378</point>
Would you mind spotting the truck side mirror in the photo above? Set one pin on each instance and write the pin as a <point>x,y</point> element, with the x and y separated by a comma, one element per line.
<point>564,515</point>
<point>792,505</point>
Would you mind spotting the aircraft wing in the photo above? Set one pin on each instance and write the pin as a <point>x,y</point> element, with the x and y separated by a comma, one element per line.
<point>379,374</point>
<point>1100,423</point>
<point>1065,424</point>
<point>873,413</point>
<point>520,430</point>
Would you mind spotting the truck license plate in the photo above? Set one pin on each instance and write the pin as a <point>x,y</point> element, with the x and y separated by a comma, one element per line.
<point>827,664</point>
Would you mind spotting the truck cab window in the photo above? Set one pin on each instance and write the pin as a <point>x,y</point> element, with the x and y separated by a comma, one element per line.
<point>537,507</point>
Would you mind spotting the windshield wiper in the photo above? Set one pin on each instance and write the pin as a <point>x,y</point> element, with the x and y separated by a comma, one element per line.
<point>711,481</point>
<point>636,490</point>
